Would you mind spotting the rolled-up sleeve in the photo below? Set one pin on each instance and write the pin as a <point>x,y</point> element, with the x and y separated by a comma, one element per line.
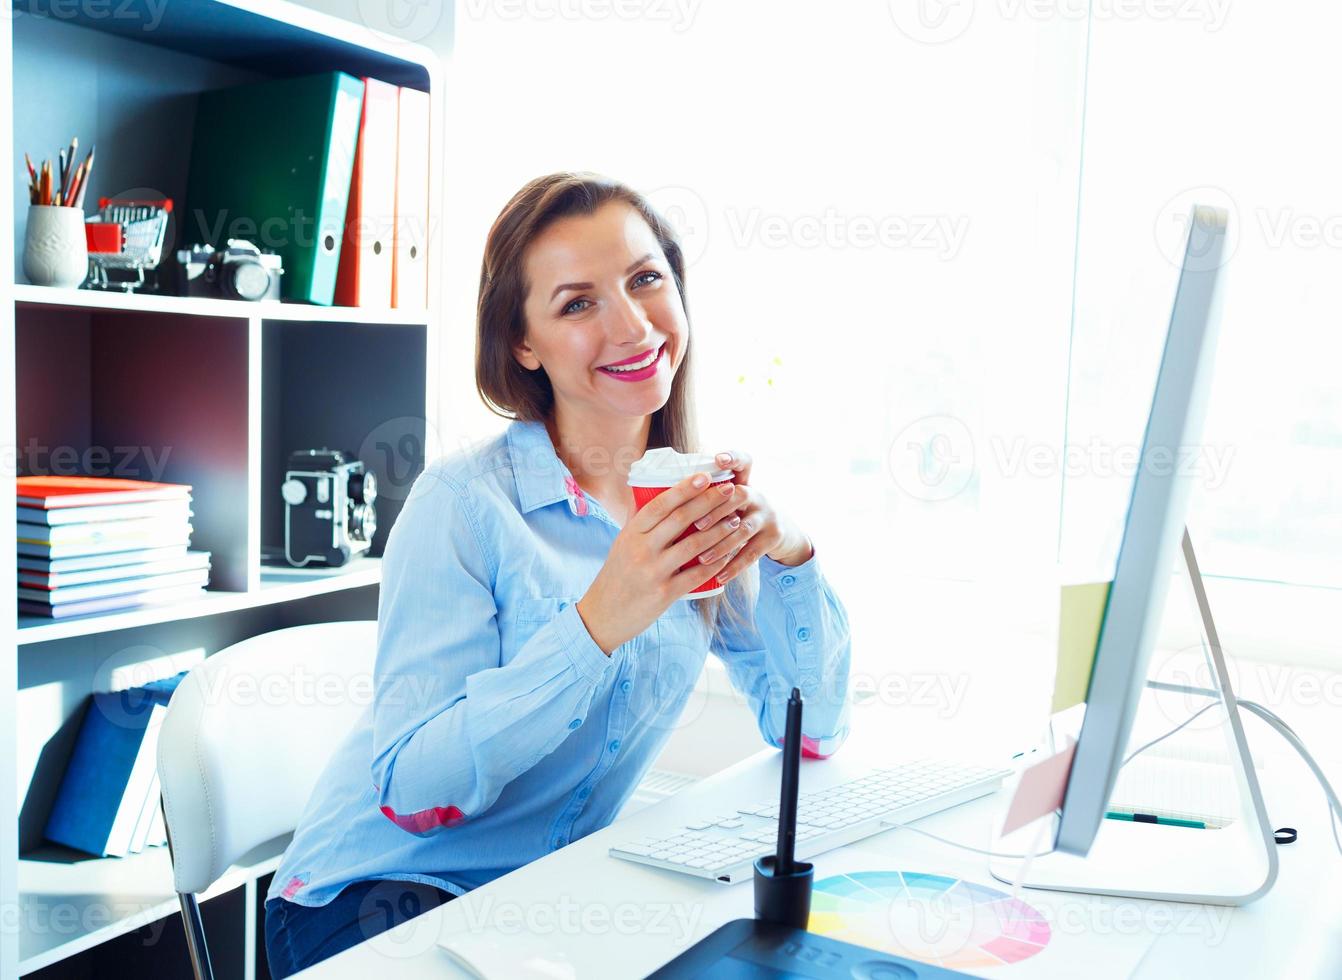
<point>797,637</point>
<point>452,724</point>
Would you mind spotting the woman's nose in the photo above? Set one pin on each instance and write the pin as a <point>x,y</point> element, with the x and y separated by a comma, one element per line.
<point>629,323</point>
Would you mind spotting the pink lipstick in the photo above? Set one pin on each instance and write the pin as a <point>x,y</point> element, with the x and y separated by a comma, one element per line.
<point>642,374</point>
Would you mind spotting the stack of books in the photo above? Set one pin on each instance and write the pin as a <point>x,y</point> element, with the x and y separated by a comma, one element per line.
<point>108,802</point>
<point>96,544</point>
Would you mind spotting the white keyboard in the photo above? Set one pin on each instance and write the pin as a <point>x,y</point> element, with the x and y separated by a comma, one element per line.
<point>724,846</point>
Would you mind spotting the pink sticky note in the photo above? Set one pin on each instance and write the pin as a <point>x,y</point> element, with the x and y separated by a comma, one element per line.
<point>1040,790</point>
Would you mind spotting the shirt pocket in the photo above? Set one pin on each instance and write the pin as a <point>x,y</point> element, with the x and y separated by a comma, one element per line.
<point>529,614</point>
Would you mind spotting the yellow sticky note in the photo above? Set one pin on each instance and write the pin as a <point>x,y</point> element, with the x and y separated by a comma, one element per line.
<point>1079,622</point>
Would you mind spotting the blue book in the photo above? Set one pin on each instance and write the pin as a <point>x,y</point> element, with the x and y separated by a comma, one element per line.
<point>161,690</point>
<point>111,770</point>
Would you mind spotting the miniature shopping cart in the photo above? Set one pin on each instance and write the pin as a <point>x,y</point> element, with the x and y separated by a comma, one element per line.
<point>126,241</point>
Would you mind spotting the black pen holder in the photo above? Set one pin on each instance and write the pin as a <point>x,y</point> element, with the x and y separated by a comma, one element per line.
<point>784,899</point>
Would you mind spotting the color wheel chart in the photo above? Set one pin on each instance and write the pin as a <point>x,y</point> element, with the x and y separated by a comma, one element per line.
<point>947,921</point>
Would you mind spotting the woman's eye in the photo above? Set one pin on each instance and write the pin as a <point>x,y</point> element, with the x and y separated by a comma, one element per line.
<point>574,307</point>
<point>644,278</point>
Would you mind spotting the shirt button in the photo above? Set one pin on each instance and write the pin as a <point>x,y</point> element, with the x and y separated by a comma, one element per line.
<point>615,745</point>
<point>583,793</point>
<point>626,685</point>
<point>559,842</point>
<point>788,579</point>
<point>803,634</point>
<point>574,723</point>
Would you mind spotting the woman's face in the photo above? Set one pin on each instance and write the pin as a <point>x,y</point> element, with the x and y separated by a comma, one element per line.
<point>600,291</point>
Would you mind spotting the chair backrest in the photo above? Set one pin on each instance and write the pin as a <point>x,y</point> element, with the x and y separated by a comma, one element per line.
<point>247,734</point>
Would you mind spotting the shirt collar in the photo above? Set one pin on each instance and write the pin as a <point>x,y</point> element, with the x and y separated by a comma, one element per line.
<point>542,478</point>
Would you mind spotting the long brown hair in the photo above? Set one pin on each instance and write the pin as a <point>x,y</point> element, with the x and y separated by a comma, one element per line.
<point>513,392</point>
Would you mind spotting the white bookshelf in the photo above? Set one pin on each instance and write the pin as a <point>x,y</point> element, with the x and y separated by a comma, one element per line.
<point>28,295</point>
<point>230,388</point>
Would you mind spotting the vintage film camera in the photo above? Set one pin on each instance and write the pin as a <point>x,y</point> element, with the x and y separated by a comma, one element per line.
<point>240,270</point>
<point>328,507</point>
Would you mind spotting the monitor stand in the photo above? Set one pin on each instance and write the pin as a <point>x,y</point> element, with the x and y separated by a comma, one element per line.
<point>1232,865</point>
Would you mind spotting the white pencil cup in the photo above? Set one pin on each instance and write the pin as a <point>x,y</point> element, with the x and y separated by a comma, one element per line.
<point>55,252</point>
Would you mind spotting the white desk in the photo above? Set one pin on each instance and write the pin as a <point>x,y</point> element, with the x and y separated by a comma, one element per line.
<point>611,918</point>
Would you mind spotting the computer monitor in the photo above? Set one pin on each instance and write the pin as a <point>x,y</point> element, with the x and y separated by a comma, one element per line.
<point>1152,533</point>
<point>1235,863</point>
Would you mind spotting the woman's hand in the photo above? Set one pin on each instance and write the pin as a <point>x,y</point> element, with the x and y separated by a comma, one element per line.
<point>763,531</point>
<point>641,575</point>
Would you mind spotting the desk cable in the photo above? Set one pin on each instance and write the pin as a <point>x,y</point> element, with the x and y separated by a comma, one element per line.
<point>1294,740</point>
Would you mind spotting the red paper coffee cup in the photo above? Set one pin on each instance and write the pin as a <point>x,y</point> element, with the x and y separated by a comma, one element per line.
<point>658,472</point>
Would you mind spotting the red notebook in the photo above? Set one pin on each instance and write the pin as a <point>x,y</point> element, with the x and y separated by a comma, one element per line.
<point>48,492</point>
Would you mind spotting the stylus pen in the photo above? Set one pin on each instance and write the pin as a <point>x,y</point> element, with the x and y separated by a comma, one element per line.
<point>787,803</point>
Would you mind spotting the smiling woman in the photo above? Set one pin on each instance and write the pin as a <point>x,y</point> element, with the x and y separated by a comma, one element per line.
<point>541,615</point>
<point>620,313</point>
<point>553,331</point>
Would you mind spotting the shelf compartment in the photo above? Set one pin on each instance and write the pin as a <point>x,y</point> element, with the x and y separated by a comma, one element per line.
<point>135,102</point>
<point>134,92</point>
<point>148,398</point>
<point>355,387</point>
<point>98,899</point>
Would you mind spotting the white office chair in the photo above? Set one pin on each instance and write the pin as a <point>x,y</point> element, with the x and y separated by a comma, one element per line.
<point>244,739</point>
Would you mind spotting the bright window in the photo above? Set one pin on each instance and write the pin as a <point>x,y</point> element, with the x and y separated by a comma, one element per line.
<point>880,228</point>
<point>1218,105</point>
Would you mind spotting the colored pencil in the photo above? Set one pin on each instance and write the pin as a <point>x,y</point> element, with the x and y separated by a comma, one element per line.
<point>70,165</point>
<point>73,194</point>
<point>62,183</point>
<point>84,182</point>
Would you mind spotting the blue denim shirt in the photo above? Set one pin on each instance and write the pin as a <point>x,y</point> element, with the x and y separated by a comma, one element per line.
<point>498,730</point>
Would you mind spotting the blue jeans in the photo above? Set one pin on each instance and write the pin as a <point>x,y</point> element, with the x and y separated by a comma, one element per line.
<point>298,936</point>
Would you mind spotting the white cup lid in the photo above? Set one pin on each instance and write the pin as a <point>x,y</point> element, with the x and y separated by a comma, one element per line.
<point>665,467</point>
